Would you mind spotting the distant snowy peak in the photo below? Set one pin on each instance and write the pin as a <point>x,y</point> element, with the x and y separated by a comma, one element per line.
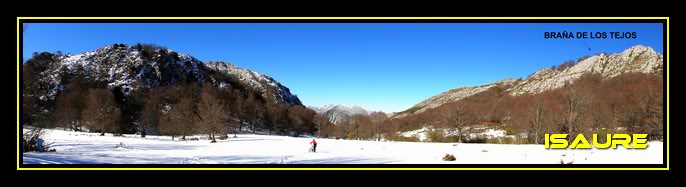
<point>349,109</point>
<point>319,110</point>
<point>339,112</point>
<point>354,109</point>
<point>637,59</point>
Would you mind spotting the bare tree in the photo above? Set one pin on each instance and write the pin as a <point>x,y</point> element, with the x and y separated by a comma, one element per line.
<point>150,114</point>
<point>390,127</point>
<point>101,112</point>
<point>377,122</point>
<point>458,118</point>
<point>300,119</point>
<point>167,124</point>
<point>650,104</point>
<point>68,107</point>
<point>212,113</point>
<point>254,110</point>
<point>631,117</point>
<point>178,119</point>
<point>364,128</point>
<point>276,116</point>
<point>321,122</point>
<point>657,121</point>
<point>238,109</point>
<point>295,117</point>
<point>538,122</point>
<point>574,106</point>
<point>329,131</point>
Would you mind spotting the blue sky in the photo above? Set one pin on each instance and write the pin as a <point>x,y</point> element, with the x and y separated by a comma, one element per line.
<point>379,66</point>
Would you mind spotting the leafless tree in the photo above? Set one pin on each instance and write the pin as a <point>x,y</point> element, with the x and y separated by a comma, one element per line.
<point>68,107</point>
<point>650,104</point>
<point>101,112</point>
<point>300,119</point>
<point>238,109</point>
<point>178,119</point>
<point>255,111</point>
<point>538,122</point>
<point>321,122</point>
<point>377,121</point>
<point>458,118</point>
<point>212,113</point>
<point>150,114</point>
<point>574,106</point>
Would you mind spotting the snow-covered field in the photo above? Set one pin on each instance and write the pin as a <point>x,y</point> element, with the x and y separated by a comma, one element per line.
<point>422,133</point>
<point>90,148</point>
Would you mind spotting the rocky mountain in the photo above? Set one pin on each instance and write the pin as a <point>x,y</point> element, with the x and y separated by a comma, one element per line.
<point>130,68</point>
<point>339,113</point>
<point>320,110</point>
<point>450,96</point>
<point>637,59</point>
<point>257,81</point>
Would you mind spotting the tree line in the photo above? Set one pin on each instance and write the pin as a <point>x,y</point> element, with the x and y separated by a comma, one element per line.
<point>182,110</point>
<point>628,103</point>
<point>216,106</point>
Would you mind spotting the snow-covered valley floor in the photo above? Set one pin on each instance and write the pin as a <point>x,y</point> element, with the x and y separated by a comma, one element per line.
<point>90,148</point>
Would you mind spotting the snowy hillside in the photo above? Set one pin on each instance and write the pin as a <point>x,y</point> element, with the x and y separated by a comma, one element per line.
<point>340,112</point>
<point>258,81</point>
<point>637,59</point>
<point>453,95</point>
<point>127,68</point>
<point>90,148</point>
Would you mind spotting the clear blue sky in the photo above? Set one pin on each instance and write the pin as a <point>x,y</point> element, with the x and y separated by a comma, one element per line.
<point>379,66</point>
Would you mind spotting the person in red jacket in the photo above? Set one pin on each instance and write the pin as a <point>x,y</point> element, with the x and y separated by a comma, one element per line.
<point>314,145</point>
